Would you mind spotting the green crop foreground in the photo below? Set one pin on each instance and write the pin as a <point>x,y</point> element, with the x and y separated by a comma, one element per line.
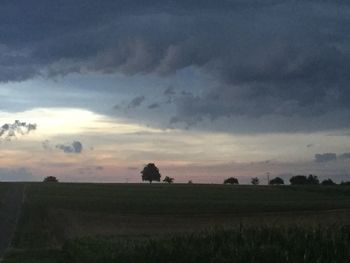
<point>253,244</point>
<point>259,244</point>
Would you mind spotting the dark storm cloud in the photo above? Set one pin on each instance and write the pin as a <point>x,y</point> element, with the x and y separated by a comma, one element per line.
<point>170,91</point>
<point>325,157</point>
<point>75,147</point>
<point>269,58</point>
<point>153,106</point>
<point>136,102</point>
<point>13,130</point>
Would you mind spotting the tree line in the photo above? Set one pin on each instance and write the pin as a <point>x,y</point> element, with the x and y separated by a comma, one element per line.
<point>150,173</point>
<point>294,180</point>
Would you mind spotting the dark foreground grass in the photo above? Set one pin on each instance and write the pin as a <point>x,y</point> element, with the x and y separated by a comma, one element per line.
<point>53,213</point>
<point>4,187</point>
<point>261,244</point>
<point>74,223</point>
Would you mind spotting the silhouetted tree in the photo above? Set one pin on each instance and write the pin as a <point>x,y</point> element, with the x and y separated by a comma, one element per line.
<point>231,180</point>
<point>50,179</point>
<point>168,180</point>
<point>312,179</point>
<point>298,180</point>
<point>255,181</point>
<point>328,182</point>
<point>276,181</point>
<point>190,182</point>
<point>303,180</point>
<point>150,173</point>
<point>345,183</point>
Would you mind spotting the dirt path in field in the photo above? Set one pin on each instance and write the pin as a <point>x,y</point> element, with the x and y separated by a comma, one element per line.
<point>10,207</point>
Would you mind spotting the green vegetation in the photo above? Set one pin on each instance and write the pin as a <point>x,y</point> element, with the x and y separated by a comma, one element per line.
<point>231,180</point>
<point>276,181</point>
<point>168,180</point>
<point>50,179</point>
<point>254,244</point>
<point>304,180</point>
<point>261,244</point>
<point>105,220</point>
<point>255,181</point>
<point>150,173</point>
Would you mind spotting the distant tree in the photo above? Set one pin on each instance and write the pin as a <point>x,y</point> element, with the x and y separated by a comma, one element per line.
<point>313,179</point>
<point>298,180</point>
<point>231,180</point>
<point>345,183</point>
<point>328,182</point>
<point>168,180</point>
<point>190,182</point>
<point>150,173</point>
<point>50,179</point>
<point>255,181</point>
<point>303,180</point>
<point>276,181</point>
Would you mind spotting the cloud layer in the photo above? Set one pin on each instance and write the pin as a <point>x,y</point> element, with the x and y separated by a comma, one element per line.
<point>75,147</point>
<point>328,157</point>
<point>268,59</point>
<point>9,131</point>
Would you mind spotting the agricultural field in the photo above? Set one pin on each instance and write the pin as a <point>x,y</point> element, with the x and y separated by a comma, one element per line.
<point>3,189</point>
<point>11,196</point>
<point>140,222</point>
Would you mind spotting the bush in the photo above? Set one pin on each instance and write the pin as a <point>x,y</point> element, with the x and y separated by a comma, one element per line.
<point>231,180</point>
<point>303,180</point>
<point>312,179</point>
<point>255,181</point>
<point>168,180</point>
<point>328,182</point>
<point>298,180</point>
<point>276,181</point>
<point>50,179</point>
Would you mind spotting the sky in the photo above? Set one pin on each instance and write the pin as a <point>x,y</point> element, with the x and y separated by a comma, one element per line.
<point>92,91</point>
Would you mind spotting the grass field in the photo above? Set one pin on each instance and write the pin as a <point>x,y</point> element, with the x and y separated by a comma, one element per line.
<point>93,214</point>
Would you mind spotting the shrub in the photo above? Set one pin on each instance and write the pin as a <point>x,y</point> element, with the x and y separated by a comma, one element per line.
<point>276,181</point>
<point>303,180</point>
<point>168,180</point>
<point>328,182</point>
<point>255,181</point>
<point>50,179</point>
<point>298,180</point>
<point>231,180</point>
